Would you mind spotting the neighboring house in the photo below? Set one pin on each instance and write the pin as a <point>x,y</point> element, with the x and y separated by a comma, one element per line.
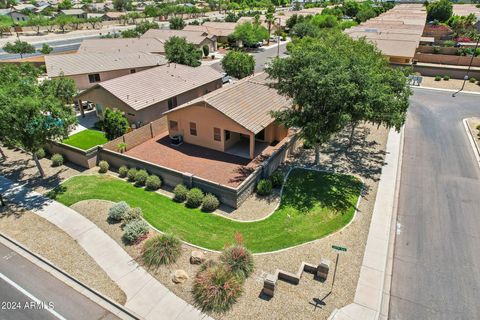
<point>19,16</point>
<point>235,119</point>
<point>146,95</point>
<point>219,29</point>
<point>121,45</point>
<point>89,69</point>
<point>199,38</point>
<point>113,15</point>
<point>77,13</point>
<point>95,15</point>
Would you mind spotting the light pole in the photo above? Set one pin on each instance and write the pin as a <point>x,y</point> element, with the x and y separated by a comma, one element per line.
<point>477,26</point>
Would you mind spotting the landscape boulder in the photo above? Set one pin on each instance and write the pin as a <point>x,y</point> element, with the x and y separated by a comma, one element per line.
<point>180,276</point>
<point>197,257</point>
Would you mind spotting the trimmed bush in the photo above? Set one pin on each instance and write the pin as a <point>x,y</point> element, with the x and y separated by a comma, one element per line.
<point>103,166</point>
<point>161,250</point>
<point>134,230</point>
<point>118,211</point>
<point>40,153</point>
<point>264,187</point>
<point>210,203</point>
<point>180,193</point>
<point>153,182</point>
<point>239,260</point>
<point>277,178</point>
<point>57,160</point>
<point>131,174</point>
<point>122,171</point>
<point>446,77</point>
<point>438,78</point>
<point>472,80</point>
<point>141,177</point>
<point>194,198</point>
<point>216,289</point>
<point>132,214</point>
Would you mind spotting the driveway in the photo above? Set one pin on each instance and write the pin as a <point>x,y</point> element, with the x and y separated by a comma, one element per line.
<point>436,272</point>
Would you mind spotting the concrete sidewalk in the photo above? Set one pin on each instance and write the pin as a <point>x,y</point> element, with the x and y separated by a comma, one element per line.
<point>373,288</point>
<point>145,295</point>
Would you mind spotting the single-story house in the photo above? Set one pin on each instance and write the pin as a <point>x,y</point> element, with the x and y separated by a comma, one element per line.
<point>146,95</point>
<point>89,69</point>
<point>219,29</point>
<point>199,38</point>
<point>234,119</point>
<point>77,13</point>
<point>113,15</point>
<point>121,46</point>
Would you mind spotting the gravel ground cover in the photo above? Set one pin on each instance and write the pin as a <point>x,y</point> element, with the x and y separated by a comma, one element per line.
<point>20,167</point>
<point>49,241</point>
<point>309,299</point>
<point>474,123</point>
<point>454,84</point>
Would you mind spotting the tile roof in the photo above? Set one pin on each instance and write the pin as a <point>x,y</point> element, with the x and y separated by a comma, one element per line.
<point>72,64</point>
<point>120,45</point>
<point>219,29</point>
<point>247,102</point>
<point>143,89</point>
<point>72,11</point>
<point>195,37</point>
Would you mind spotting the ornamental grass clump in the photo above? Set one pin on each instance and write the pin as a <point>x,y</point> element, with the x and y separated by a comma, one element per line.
<point>239,260</point>
<point>161,250</point>
<point>210,203</point>
<point>180,193</point>
<point>134,230</point>
<point>194,198</point>
<point>216,288</point>
<point>118,211</point>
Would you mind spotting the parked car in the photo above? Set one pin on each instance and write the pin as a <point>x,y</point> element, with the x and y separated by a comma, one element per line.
<point>87,105</point>
<point>273,39</point>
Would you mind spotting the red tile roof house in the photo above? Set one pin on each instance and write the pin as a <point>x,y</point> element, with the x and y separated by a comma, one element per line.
<point>146,95</point>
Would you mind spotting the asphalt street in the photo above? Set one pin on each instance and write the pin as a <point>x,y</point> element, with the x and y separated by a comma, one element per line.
<point>436,269</point>
<point>24,287</point>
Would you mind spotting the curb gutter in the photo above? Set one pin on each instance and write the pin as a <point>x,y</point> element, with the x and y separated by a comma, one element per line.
<point>473,141</point>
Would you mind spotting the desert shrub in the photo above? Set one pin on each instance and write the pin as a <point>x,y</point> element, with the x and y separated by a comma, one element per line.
<point>264,187</point>
<point>57,160</point>
<point>210,203</point>
<point>438,78</point>
<point>216,289</point>
<point>134,230</point>
<point>153,182</point>
<point>436,49</point>
<point>446,77</point>
<point>117,211</point>
<point>194,198</point>
<point>449,43</point>
<point>123,171</point>
<point>239,260</point>
<point>277,178</point>
<point>132,214</point>
<point>472,80</point>
<point>131,174</point>
<point>141,177</point>
<point>180,193</point>
<point>161,250</point>
<point>40,153</point>
<point>103,166</point>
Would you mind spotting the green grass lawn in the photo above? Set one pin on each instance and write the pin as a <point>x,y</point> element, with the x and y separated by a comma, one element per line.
<point>314,204</point>
<point>86,139</point>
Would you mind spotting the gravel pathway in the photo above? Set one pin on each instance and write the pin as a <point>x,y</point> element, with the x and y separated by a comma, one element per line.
<point>309,299</point>
<point>454,84</point>
<point>49,241</point>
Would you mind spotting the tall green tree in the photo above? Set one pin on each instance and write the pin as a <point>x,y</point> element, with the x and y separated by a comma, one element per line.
<point>122,5</point>
<point>32,114</point>
<point>37,21</point>
<point>65,5</point>
<point>114,124</point>
<point>249,33</point>
<point>238,64</point>
<point>439,10</point>
<point>178,50</point>
<point>62,20</point>
<point>176,23</point>
<point>5,25</point>
<point>270,21</point>
<point>334,81</point>
<point>19,47</point>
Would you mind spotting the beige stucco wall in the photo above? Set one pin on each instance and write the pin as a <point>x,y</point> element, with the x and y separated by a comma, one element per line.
<point>82,82</point>
<point>212,44</point>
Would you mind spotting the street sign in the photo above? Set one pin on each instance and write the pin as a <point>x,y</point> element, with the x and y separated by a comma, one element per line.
<point>338,248</point>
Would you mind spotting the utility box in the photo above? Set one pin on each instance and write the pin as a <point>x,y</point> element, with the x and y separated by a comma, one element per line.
<point>269,285</point>
<point>323,269</point>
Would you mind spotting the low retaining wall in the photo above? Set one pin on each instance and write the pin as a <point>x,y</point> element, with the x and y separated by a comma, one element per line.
<point>455,72</point>
<point>447,59</point>
<point>83,158</point>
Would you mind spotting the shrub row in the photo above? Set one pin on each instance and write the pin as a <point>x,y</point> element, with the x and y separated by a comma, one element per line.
<point>140,177</point>
<point>195,198</point>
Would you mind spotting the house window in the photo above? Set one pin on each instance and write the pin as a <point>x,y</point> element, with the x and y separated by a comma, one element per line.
<point>133,70</point>
<point>173,125</point>
<point>216,134</point>
<point>172,103</point>
<point>227,135</point>
<point>193,128</point>
<point>94,78</point>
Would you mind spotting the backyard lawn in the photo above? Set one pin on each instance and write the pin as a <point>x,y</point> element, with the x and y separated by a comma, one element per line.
<point>86,139</point>
<point>314,204</point>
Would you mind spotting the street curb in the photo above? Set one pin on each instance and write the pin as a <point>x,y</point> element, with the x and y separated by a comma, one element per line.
<point>473,141</point>
<point>372,294</point>
<point>445,90</point>
<point>41,262</point>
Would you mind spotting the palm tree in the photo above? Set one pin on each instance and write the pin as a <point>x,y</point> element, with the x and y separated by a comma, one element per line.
<point>269,19</point>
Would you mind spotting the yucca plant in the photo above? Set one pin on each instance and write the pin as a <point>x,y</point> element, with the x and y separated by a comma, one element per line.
<point>161,250</point>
